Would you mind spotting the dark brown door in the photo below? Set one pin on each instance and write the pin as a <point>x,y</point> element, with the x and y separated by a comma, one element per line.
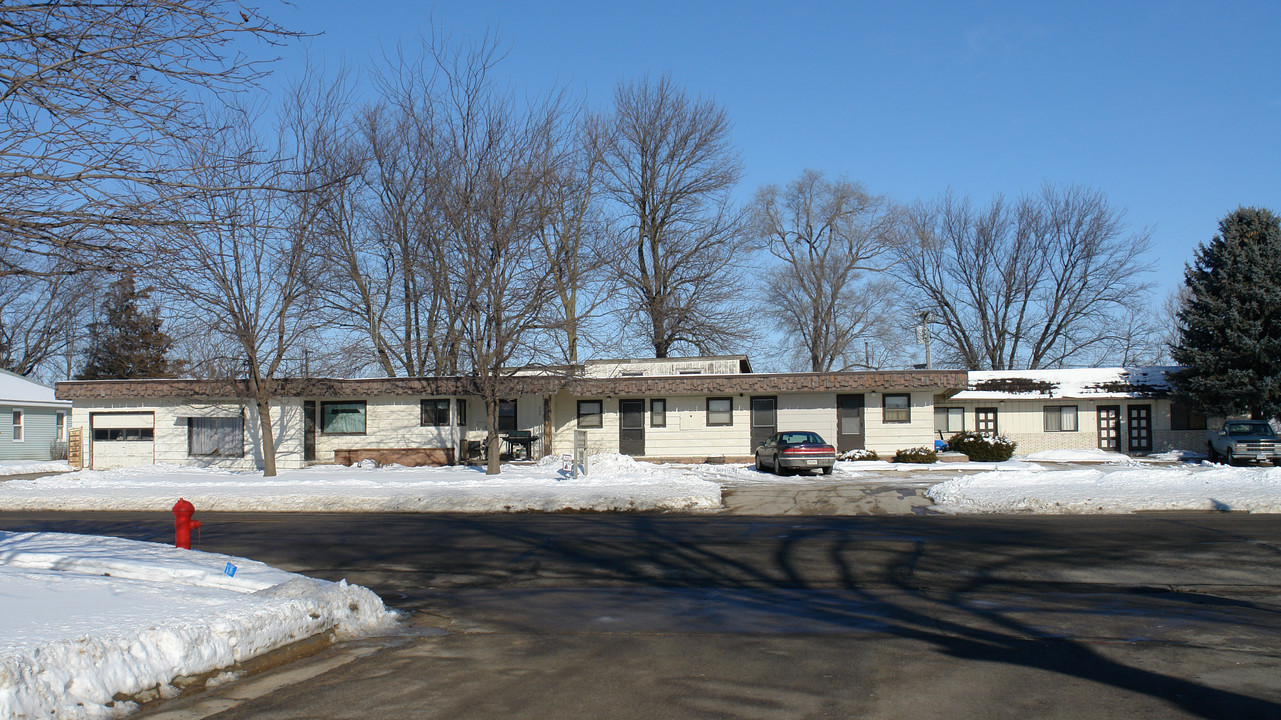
<point>631,427</point>
<point>1110,428</point>
<point>1140,426</point>
<point>985,421</point>
<point>309,431</point>
<point>764,420</point>
<point>849,423</point>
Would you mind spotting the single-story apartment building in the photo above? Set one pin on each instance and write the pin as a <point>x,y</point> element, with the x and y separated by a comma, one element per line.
<point>690,409</point>
<point>1120,409</point>
<point>655,409</point>
<point>38,427</point>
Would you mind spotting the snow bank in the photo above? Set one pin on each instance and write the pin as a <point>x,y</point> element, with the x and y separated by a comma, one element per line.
<point>29,467</point>
<point>1189,487</point>
<point>88,619</point>
<point>1090,455</point>
<point>616,482</point>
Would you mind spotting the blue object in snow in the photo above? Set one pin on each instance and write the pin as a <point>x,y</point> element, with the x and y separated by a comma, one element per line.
<point>230,570</point>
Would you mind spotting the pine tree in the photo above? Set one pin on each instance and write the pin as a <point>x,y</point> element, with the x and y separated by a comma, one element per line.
<point>1230,327</point>
<point>128,342</point>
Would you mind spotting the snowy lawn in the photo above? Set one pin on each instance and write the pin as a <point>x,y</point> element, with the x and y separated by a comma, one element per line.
<point>87,619</point>
<point>29,467</point>
<point>616,482</point>
<point>1113,490</point>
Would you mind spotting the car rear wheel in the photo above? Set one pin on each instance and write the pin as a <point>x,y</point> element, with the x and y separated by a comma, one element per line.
<point>828,470</point>
<point>756,461</point>
<point>1211,452</point>
<point>779,469</point>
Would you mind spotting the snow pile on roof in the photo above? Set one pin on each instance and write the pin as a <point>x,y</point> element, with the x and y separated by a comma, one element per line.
<point>88,619</point>
<point>18,390</point>
<point>615,482</point>
<point>1067,383</point>
<point>1203,487</point>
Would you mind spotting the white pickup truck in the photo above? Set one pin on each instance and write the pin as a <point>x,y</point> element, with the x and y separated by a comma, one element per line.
<point>1241,441</point>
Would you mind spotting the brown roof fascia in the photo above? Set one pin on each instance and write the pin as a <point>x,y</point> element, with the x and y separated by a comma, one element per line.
<point>521,385</point>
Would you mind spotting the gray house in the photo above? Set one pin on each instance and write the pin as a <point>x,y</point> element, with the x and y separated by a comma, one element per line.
<point>33,423</point>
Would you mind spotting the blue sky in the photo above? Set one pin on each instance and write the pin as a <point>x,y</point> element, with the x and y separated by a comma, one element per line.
<point>1170,108</point>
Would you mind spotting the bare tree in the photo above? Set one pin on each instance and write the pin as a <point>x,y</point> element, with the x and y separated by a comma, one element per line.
<point>573,242</point>
<point>242,272</point>
<point>1046,281</point>
<point>97,97</point>
<point>668,169</point>
<point>493,197</point>
<point>382,236</point>
<point>834,241</point>
<point>40,318</point>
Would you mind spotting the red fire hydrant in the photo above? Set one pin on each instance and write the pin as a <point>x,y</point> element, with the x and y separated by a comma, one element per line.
<point>183,524</point>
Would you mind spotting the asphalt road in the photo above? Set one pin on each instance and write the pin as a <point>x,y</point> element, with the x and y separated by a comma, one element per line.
<point>665,616</point>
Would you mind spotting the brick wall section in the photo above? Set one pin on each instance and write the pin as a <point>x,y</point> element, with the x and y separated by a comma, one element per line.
<point>520,385</point>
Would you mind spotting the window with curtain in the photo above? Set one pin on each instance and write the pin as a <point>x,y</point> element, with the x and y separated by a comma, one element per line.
<point>342,418</point>
<point>658,412</point>
<point>462,412</point>
<point>590,414</point>
<point>17,426</point>
<point>896,408</point>
<point>215,437</point>
<point>720,411</point>
<point>1060,418</point>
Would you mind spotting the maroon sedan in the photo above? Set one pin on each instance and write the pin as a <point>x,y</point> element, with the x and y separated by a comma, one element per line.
<point>789,452</point>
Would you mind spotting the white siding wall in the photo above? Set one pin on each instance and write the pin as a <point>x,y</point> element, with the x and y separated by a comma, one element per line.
<point>885,438</point>
<point>170,444</point>
<point>1023,421</point>
<point>390,422</point>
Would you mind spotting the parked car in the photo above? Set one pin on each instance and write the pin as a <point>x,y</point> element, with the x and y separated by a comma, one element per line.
<point>789,452</point>
<point>1243,441</point>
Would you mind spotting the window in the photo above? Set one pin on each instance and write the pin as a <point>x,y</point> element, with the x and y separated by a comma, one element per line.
<point>949,419</point>
<point>658,413</point>
<point>590,414</point>
<point>123,434</point>
<point>1184,418</point>
<point>985,420</point>
<point>506,416</point>
<point>462,412</point>
<point>17,426</point>
<point>896,408</point>
<point>632,373</point>
<point>434,412</point>
<point>215,437</point>
<point>1060,418</point>
<point>720,411</point>
<point>60,427</point>
<point>691,371</point>
<point>342,418</point>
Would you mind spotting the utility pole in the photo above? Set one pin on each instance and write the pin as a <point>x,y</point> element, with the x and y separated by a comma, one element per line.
<point>925,333</point>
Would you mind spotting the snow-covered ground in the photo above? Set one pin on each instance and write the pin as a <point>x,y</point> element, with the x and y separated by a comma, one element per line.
<point>87,619</point>
<point>1058,481</point>
<point>28,467</point>
<point>1113,490</point>
<point>616,482</point>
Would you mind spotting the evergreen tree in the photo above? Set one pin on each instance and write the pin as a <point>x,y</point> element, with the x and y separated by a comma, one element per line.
<point>128,342</point>
<point>1230,326</point>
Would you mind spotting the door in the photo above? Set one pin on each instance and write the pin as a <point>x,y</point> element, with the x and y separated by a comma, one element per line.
<point>1140,426</point>
<point>849,423</point>
<point>764,420</point>
<point>1110,428</point>
<point>631,427</point>
<point>985,421</point>
<point>309,430</point>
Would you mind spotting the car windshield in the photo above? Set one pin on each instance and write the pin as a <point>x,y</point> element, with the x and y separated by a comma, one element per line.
<point>801,438</point>
<point>1250,428</point>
